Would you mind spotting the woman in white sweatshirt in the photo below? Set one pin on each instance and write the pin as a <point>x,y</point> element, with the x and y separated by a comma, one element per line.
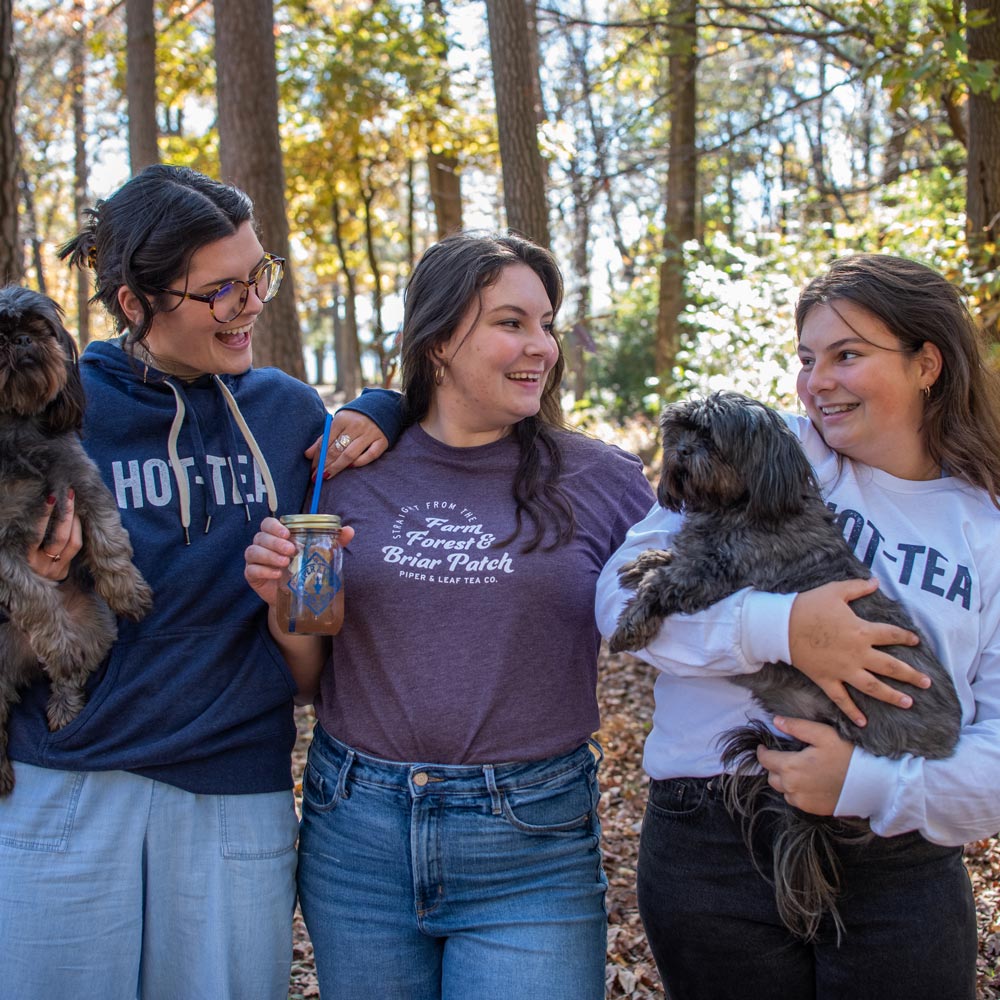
<point>903,432</point>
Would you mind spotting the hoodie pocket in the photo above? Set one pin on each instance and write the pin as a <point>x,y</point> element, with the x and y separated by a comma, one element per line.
<point>176,695</point>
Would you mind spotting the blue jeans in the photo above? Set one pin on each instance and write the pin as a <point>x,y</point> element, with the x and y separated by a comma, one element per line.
<point>714,931</point>
<point>114,887</point>
<point>427,881</point>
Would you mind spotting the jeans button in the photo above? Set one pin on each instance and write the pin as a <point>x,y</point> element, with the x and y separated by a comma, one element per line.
<point>420,779</point>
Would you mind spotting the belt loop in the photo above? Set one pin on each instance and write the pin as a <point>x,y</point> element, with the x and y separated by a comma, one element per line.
<point>596,749</point>
<point>491,784</point>
<point>342,792</point>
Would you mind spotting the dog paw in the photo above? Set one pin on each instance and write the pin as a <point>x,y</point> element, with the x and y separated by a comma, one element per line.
<point>65,704</point>
<point>619,641</point>
<point>6,777</point>
<point>637,627</point>
<point>131,598</point>
<point>628,638</point>
<point>141,602</point>
<point>630,574</point>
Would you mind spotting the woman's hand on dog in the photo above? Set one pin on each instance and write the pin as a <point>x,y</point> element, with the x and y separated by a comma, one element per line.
<point>809,779</point>
<point>269,555</point>
<point>59,540</point>
<point>833,647</point>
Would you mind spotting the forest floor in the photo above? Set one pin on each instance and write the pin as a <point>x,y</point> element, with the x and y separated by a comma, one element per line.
<point>625,695</point>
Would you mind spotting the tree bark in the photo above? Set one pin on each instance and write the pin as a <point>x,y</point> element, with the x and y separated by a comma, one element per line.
<point>517,114</point>
<point>250,155</point>
<point>140,84</point>
<point>11,251</point>
<point>345,344</point>
<point>80,168</point>
<point>442,164</point>
<point>983,173</point>
<point>682,175</point>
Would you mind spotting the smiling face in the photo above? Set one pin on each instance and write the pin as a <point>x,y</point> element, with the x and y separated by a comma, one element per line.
<point>186,339</point>
<point>863,392</point>
<point>496,362</point>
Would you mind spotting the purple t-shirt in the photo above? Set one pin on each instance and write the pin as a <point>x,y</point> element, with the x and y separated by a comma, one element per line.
<point>454,650</point>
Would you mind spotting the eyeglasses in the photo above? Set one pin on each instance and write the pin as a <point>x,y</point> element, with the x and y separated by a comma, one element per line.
<point>230,299</point>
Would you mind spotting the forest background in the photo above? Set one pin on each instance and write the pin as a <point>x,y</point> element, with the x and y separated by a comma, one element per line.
<point>692,164</point>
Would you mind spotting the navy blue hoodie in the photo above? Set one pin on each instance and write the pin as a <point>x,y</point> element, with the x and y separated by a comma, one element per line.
<point>197,694</point>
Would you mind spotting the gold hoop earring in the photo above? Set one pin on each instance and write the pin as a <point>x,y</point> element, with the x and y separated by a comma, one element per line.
<point>927,392</point>
<point>439,375</point>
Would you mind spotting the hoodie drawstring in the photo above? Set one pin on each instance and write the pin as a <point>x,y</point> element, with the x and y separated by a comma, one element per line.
<point>183,490</point>
<point>272,493</point>
<point>177,467</point>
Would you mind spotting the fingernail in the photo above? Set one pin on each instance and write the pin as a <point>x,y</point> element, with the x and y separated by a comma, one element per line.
<point>327,475</point>
<point>905,701</point>
<point>50,499</point>
<point>859,720</point>
<point>925,682</point>
<point>71,494</point>
<point>779,720</point>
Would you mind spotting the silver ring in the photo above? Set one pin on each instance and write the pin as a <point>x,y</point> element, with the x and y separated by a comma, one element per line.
<point>343,441</point>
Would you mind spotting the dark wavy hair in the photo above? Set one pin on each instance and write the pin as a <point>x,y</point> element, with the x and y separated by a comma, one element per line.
<point>144,235</point>
<point>962,415</point>
<point>448,279</point>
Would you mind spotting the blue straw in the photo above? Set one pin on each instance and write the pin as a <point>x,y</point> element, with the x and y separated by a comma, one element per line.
<point>322,463</point>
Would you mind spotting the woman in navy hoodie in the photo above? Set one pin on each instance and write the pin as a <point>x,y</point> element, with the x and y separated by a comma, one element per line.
<point>148,848</point>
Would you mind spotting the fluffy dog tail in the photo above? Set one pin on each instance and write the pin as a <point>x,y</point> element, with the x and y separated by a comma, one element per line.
<point>805,870</point>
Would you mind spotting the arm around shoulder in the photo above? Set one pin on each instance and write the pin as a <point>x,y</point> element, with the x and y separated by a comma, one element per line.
<point>384,407</point>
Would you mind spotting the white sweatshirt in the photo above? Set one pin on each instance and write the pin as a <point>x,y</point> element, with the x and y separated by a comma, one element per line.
<point>933,545</point>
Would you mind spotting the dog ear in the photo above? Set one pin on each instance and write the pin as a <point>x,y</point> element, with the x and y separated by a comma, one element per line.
<point>782,478</point>
<point>65,412</point>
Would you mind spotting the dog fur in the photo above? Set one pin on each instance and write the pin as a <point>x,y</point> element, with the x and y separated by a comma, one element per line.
<point>62,630</point>
<point>754,517</point>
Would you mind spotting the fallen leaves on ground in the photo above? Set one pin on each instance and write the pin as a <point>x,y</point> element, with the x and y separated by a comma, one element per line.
<point>625,693</point>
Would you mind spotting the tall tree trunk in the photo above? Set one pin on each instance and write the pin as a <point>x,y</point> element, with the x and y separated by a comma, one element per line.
<point>345,345</point>
<point>80,174</point>
<point>386,367</point>
<point>576,360</point>
<point>442,163</point>
<point>11,253</point>
<point>140,83</point>
<point>983,173</point>
<point>517,114</point>
<point>250,155</point>
<point>31,239</point>
<point>682,174</point>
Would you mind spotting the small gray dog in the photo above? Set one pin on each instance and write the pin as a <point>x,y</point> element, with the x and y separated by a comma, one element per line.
<point>754,517</point>
<point>64,631</point>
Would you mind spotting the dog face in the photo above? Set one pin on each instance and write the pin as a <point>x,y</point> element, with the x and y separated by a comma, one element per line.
<point>38,361</point>
<point>730,451</point>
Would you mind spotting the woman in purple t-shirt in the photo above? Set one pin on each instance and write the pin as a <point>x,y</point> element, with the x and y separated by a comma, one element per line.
<point>450,840</point>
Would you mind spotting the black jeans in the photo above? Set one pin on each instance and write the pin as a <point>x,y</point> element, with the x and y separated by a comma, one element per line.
<point>714,931</point>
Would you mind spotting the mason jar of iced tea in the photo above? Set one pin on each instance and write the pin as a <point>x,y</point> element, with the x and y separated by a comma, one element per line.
<point>311,591</point>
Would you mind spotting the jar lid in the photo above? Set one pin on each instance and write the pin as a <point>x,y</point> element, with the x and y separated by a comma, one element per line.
<point>328,522</point>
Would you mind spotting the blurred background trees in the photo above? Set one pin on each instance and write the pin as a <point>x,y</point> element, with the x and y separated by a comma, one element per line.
<point>691,164</point>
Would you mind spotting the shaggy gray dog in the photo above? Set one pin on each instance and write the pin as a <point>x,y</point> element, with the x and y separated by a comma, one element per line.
<point>754,517</point>
<point>64,631</point>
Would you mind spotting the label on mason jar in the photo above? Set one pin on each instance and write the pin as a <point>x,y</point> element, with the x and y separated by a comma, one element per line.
<point>315,583</point>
